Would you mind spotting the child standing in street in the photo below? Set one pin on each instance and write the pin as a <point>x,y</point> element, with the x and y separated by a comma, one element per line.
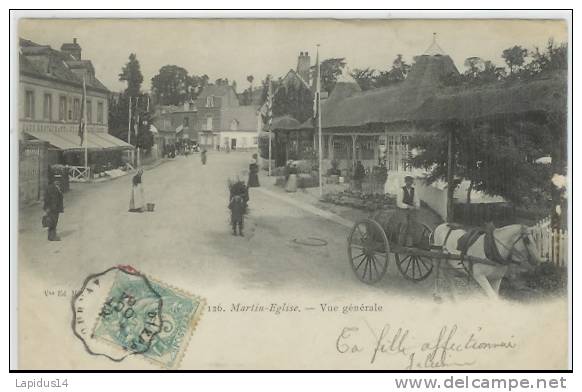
<point>237,208</point>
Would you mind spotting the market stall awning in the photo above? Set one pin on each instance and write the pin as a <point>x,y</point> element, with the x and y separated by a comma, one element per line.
<point>71,140</point>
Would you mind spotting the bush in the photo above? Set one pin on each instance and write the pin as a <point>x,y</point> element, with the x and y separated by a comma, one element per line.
<point>543,280</point>
<point>307,181</point>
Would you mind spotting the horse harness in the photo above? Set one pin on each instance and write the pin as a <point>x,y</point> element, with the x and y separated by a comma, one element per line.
<point>492,253</point>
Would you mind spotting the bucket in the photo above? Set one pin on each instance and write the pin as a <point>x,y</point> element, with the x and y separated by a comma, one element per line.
<point>150,207</point>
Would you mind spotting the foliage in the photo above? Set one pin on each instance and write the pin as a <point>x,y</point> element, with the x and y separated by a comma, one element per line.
<point>478,71</point>
<point>171,86</point>
<point>553,58</point>
<point>293,99</point>
<point>397,73</point>
<point>496,160</point>
<point>119,119</point>
<point>330,70</point>
<point>364,77</point>
<point>514,58</point>
<point>370,78</point>
<point>131,73</point>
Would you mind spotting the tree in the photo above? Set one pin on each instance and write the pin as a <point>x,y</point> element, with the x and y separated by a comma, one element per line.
<point>474,66</point>
<point>250,79</point>
<point>119,122</point>
<point>400,68</point>
<point>553,58</point>
<point>330,70</point>
<point>496,160</point>
<point>397,73</point>
<point>480,71</point>
<point>294,100</point>
<point>366,78</point>
<point>131,73</point>
<point>172,85</point>
<point>514,58</point>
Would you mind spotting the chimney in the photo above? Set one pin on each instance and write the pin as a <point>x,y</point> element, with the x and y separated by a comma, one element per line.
<point>303,65</point>
<point>73,49</point>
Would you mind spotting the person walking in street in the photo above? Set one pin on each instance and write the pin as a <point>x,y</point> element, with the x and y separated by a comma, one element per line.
<point>137,200</point>
<point>53,206</point>
<point>237,208</point>
<point>203,156</point>
<point>253,172</point>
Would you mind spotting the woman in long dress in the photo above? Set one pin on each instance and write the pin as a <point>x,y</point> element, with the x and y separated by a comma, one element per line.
<point>137,200</point>
<point>203,156</point>
<point>253,173</point>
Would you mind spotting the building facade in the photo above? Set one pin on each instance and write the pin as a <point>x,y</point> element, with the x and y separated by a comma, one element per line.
<point>50,96</point>
<point>215,120</point>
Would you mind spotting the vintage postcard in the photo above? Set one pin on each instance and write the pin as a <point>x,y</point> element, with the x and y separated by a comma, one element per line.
<point>242,194</point>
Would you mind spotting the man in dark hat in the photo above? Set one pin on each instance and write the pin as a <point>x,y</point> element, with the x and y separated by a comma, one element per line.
<point>53,206</point>
<point>407,198</point>
<point>405,220</point>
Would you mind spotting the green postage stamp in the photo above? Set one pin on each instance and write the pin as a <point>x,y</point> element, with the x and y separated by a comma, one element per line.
<point>143,316</point>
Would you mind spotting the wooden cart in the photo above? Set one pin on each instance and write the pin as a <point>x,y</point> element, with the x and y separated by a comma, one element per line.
<point>369,253</point>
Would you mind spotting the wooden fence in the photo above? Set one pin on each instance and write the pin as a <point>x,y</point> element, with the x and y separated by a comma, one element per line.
<point>32,170</point>
<point>552,243</point>
<point>79,173</point>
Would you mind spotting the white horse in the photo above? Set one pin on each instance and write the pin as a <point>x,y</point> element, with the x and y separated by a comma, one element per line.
<point>515,244</point>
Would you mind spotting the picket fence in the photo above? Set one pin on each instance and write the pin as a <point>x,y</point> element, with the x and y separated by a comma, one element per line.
<point>552,243</point>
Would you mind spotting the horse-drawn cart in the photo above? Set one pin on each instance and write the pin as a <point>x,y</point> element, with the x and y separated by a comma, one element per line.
<point>370,244</point>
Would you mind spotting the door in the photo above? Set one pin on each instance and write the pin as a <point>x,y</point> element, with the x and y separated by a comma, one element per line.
<point>233,144</point>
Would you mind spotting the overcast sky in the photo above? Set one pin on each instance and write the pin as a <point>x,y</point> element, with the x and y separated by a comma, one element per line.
<point>237,48</point>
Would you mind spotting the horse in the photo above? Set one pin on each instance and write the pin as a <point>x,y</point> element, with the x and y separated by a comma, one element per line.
<point>515,244</point>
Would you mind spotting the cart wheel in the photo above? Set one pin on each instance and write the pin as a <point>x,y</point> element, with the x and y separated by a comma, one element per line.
<point>368,251</point>
<point>414,267</point>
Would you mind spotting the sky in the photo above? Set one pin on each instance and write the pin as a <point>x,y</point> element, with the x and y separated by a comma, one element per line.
<point>235,48</point>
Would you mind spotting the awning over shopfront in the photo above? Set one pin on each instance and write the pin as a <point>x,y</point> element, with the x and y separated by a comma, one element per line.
<point>71,141</point>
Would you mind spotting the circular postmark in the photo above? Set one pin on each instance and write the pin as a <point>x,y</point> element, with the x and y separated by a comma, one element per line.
<point>117,313</point>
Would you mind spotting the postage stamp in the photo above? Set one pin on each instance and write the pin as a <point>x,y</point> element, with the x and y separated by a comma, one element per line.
<point>136,315</point>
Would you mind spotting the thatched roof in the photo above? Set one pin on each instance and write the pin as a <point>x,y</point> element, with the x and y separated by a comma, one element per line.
<point>389,104</point>
<point>423,97</point>
<point>547,94</point>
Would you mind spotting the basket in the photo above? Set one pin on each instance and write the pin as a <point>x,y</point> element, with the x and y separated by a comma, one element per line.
<point>150,207</point>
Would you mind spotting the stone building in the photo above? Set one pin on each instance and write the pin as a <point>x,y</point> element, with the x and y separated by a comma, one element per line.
<point>49,106</point>
<point>50,92</point>
<point>215,120</point>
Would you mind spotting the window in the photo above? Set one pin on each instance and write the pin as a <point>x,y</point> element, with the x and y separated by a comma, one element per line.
<point>397,153</point>
<point>76,109</point>
<point>62,108</point>
<point>89,112</point>
<point>29,104</point>
<point>69,109</point>
<point>209,124</point>
<point>186,121</point>
<point>210,102</point>
<point>100,112</point>
<point>47,108</point>
<point>234,125</point>
<point>255,140</point>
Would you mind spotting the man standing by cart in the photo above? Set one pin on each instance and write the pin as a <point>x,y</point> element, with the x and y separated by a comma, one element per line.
<point>408,203</point>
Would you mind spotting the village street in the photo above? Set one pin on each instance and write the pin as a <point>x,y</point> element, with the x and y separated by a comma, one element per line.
<point>187,243</point>
<point>188,235</point>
